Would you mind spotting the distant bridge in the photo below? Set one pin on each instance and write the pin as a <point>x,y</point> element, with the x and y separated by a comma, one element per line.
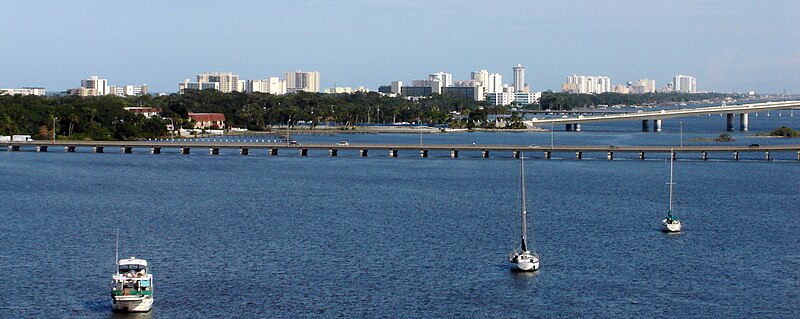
<point>392,150</point>
<point>574,123</point>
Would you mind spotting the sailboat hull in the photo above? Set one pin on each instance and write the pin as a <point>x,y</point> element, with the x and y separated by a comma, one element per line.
<point>673,227</point>
<point>527,265</point>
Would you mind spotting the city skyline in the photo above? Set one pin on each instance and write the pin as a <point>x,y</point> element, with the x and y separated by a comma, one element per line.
<point>728,46</point>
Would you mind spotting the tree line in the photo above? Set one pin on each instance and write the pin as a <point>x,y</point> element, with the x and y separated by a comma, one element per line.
<point>105,117</point>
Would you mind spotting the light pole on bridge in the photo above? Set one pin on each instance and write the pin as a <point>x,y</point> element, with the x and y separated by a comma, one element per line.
<point>54,129</point>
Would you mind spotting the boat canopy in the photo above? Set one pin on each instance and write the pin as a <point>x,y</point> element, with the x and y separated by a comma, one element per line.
<point>133,261</point>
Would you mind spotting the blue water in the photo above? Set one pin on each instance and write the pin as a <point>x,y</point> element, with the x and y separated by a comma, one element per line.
<point>289,236</point>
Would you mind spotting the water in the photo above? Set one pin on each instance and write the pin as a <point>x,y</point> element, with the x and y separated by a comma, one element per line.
<point>289,236</point>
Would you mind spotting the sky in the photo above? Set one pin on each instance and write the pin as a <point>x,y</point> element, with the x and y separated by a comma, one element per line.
<point>727,45</point>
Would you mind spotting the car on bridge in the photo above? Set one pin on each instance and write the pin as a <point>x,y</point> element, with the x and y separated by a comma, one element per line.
<point>343,143</point>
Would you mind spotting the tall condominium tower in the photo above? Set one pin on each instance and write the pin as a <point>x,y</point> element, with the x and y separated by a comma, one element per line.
<point>445,78</point>
<point>302,81</point>
<point>228,82</point>
<point>519,78</point>
<point>684,83</point>
<point>95,85</point>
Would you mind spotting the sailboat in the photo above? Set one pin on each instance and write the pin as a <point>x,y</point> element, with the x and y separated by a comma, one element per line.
<point>671,224</point>
<point>524,259</point>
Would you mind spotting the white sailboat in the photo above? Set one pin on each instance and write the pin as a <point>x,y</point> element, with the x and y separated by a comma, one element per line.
<point>131,285</point>
<point>671,224</point>
<point>524,259</point>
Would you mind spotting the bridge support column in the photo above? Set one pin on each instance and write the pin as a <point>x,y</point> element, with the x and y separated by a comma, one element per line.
<point>673,155</point>
<point>729,121</point>
<point>735,155</point>
<point>69,149</point>
<point>186,150</point>
<point>155,150</point>
<point>704,156</point>
<point>213,151</point>
<point>645,125</point>
<point>516,154</point>
<point>244,151</point>
<point>303,152</point>
<point>641,155</point>
<point>273,152</point>
<point>568,128</point>
<point>610,155</point>
<point>363,153</point>
<point>547,154</point>
<point>41,148</point>
<point>577,127</point>
<point>392,153</point>
<point>766,155</point>
<point>798,155</point>
<point>656,125</point>
<point>126,150</point>
<point>13,148</point>
<point>333,152</point>
<point>485,154</point>
<point>423,153</point>
<point>578,155</point>
<point>454,153</point>
<point>744,121</point>
<point>97,149</point>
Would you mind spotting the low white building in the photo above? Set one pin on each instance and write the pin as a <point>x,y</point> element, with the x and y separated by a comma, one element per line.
<point>23,91</point>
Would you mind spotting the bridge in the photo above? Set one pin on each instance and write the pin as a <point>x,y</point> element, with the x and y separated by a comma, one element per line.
<point>574,123</point>
<point>392,150</point>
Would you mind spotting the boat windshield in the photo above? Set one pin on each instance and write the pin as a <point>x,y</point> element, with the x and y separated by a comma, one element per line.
<point>133,269</point>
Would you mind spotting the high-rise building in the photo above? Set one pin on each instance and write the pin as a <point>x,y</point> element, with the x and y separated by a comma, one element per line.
<point>435,85</point>
<point>684,84</point>
<point>587,84</point>
<point>519,78</point>
<point>128,90</point>
<point>482,76</point>
<point>445,78</point>
<point>648,84</point>
<point>271,85</point>
<point>495,84</point>
<point>93,86</point>
<point>302,81</point>
<point>396,87</point>
<point>228,82</point>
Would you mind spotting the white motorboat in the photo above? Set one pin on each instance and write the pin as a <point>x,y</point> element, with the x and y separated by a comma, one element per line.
<point>132,286</point>
<point>524,259</point>
<point>671,224</point>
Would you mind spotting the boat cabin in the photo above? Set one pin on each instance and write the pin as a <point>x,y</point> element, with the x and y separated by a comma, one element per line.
<point>132,278</point>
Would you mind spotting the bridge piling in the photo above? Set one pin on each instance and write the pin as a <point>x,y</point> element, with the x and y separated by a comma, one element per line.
<point>41,148</point>
<point>610,155</point>
<point>645,125</point>
<point>303,152</point>
<point>392,153</point>
<point>273,152</point>
<point>186,150</point>
<point>641,155</point>
<point>736,155</point>
<point>97,149</point>
<point>766,155</point>
<point>704,156</point>
<point>423,153</point>
<point>333,152</point>
<point>155,150</point>
<point>547,154</point>
<point>577,127</point>
<point>798,155</point>
<point>363,152</point>
<point>744,122</point>
<point>454,153</point>
<point>516,154</point>
<point>485,153</point>
<point>568,127</point>
<point>729,121</point>
<point>656,125</point>
<point>69,149</point>
<point>578,155</point>
<point>213,150</point>
<point>244,151</point>
<point>126,150</point>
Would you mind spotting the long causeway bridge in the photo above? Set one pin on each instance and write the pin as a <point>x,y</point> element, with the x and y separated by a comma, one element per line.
<point>392,150</point>
<point>743,110</point>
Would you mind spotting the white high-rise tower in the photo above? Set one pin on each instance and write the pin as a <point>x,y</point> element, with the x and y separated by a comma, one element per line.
<point>519,78</point>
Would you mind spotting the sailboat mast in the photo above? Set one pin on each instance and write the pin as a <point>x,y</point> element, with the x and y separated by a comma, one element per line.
<point>671,160</point>
<point>522,190</point>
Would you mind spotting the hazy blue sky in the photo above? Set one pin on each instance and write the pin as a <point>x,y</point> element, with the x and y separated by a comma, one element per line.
<point>727,45</point>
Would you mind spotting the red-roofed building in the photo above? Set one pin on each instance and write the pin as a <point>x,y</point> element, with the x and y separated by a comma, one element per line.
<point>208,120</point>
